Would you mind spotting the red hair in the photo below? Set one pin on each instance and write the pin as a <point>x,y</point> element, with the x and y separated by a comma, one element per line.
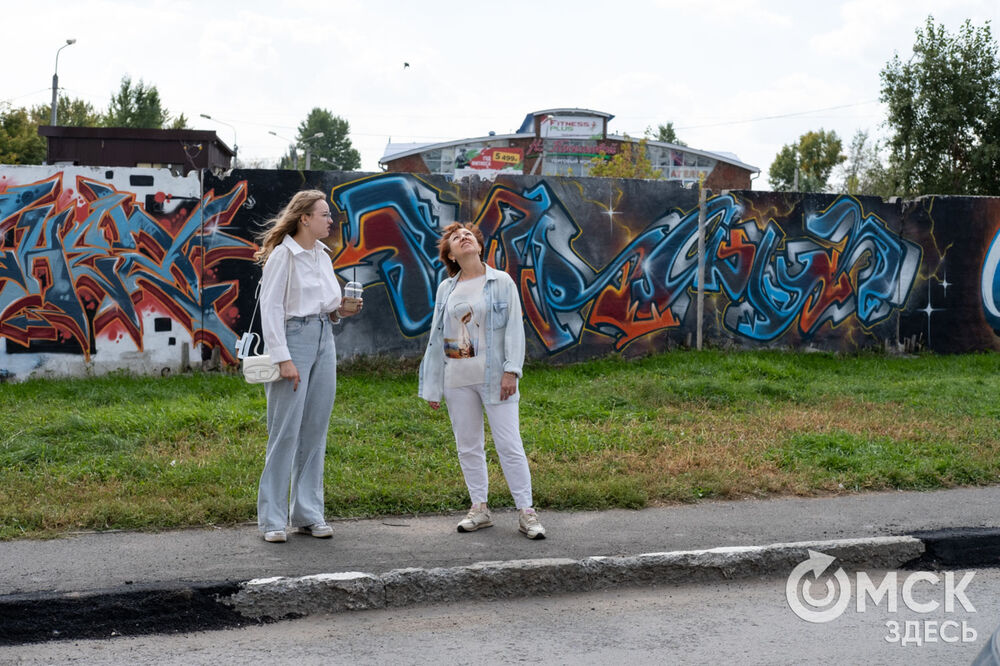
<point>443,247</point>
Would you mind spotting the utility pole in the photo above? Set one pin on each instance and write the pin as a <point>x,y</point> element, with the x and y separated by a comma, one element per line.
<point>701,258</point>
<point>55,83</point>
<point>308,147</point>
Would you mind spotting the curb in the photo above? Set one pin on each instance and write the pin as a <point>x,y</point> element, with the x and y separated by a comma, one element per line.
<point>144,609</point>
<point>280,598</point>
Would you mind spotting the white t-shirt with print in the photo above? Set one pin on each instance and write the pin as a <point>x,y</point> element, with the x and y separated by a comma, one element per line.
<point>465,334</point>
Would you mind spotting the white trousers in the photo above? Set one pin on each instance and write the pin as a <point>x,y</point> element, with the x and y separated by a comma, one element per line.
<point>291,485</point>
<point>465,407</point>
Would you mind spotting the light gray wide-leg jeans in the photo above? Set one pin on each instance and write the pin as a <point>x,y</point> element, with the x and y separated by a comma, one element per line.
<point>291,486</point>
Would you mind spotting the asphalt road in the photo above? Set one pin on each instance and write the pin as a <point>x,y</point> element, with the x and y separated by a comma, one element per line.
<point>746,622</point>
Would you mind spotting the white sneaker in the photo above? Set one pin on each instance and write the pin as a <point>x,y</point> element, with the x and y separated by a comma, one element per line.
<point>318,530</point>
<point>476,519</point>
<point>529,525</point>
<point>277,536</point>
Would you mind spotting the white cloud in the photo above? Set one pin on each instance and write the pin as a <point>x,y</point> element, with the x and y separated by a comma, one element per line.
<point>742,12</point>
<point>878,29</point>
<point>476,67</point>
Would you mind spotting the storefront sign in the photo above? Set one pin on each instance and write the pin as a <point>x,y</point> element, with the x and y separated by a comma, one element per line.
<point>583,148</point>
<point>571,127</point>
<point>687,173</point>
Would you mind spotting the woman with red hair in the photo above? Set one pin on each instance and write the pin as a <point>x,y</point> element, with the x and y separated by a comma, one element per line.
<point>474,358</point>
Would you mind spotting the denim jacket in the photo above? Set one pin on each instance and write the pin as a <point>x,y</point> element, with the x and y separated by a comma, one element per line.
<point>504,337</point>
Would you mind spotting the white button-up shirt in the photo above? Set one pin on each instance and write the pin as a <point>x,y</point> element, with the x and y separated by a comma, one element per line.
<point>295,283</point>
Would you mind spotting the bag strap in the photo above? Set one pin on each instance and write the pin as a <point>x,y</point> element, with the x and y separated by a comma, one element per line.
<point>256,307</point>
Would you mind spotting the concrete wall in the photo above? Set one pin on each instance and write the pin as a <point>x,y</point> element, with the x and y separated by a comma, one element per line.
<point>128,268</point>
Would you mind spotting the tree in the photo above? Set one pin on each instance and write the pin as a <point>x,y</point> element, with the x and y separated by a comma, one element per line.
<point>19,139</point>
<point>179,122</point>
<point>332,150</point>
<point>864,171</point>
<point>943,106</point>
<point>73,112</point>
<point>782,172</point>
<point>631,161</point>
<point>291,160</point>
<point>806,165</point>
<point>137,105</point>
<point>20,142</point>
<point>665,133</point>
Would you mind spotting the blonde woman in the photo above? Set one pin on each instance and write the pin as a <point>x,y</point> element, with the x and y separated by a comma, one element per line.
<point>474,358</point>
<point>300,300</point>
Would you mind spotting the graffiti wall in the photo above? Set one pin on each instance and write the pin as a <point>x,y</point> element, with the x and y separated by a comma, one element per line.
<point>102,269</point>
<point>135,268</point>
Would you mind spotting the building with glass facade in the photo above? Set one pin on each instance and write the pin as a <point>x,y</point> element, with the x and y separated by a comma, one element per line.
<point>562,142</point>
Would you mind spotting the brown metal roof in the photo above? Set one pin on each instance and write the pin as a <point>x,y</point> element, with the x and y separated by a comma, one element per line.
<point>126,146</point>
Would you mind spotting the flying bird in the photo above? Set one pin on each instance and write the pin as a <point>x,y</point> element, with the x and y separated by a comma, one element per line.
<point>406,65</point>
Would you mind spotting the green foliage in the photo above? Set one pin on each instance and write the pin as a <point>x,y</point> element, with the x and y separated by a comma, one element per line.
<point>331,151</point>
<point>20,142</point>
<point>665,133</point>
<point>73,112</point>
<point>944,113</point>
<point>631,161</point>
<point>813,157</point>
<point>782,172</point>
<point>19,139</point>
<point>136,105</point>
<point>179,122</point>
<point>863,171</point>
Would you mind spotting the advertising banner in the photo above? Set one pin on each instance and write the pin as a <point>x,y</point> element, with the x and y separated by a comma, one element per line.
<point>489,162</point>
<point>571,127</point>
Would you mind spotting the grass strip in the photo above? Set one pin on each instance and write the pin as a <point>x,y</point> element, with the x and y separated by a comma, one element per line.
<point>126,452</point>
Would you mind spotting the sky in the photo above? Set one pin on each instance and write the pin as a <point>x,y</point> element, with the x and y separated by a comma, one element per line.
<point>740,76</point>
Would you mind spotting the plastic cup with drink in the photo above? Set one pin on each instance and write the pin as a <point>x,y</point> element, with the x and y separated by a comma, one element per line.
<point>352,297</point>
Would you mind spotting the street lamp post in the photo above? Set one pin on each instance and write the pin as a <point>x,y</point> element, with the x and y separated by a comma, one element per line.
<point>222,122</point>
<point>291,148</point>
<point>330,162</point>
<point>55,81</point>
<point>305,144</point>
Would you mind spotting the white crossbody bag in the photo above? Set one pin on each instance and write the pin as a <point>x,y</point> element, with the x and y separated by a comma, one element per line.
<point>257,367</point>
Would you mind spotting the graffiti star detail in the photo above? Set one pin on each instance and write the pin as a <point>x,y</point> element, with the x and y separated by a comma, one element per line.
<point>69,271</point>
<point>848,263</point>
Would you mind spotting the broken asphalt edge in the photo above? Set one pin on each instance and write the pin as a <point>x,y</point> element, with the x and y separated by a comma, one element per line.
<point>182,607</point>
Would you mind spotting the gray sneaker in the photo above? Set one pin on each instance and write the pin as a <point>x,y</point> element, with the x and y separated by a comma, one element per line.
<point>529,525</point>
<point>318,530</point>
<point>275,536</point>
<point>476,519</point>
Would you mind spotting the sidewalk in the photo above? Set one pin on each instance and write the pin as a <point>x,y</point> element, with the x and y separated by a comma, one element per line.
<point>90,573</point>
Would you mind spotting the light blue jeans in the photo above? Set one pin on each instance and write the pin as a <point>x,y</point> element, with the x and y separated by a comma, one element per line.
<point>291,486</point>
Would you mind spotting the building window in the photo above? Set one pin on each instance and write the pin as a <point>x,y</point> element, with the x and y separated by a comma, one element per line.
<point>566,165</point>
<point>432,158</point>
